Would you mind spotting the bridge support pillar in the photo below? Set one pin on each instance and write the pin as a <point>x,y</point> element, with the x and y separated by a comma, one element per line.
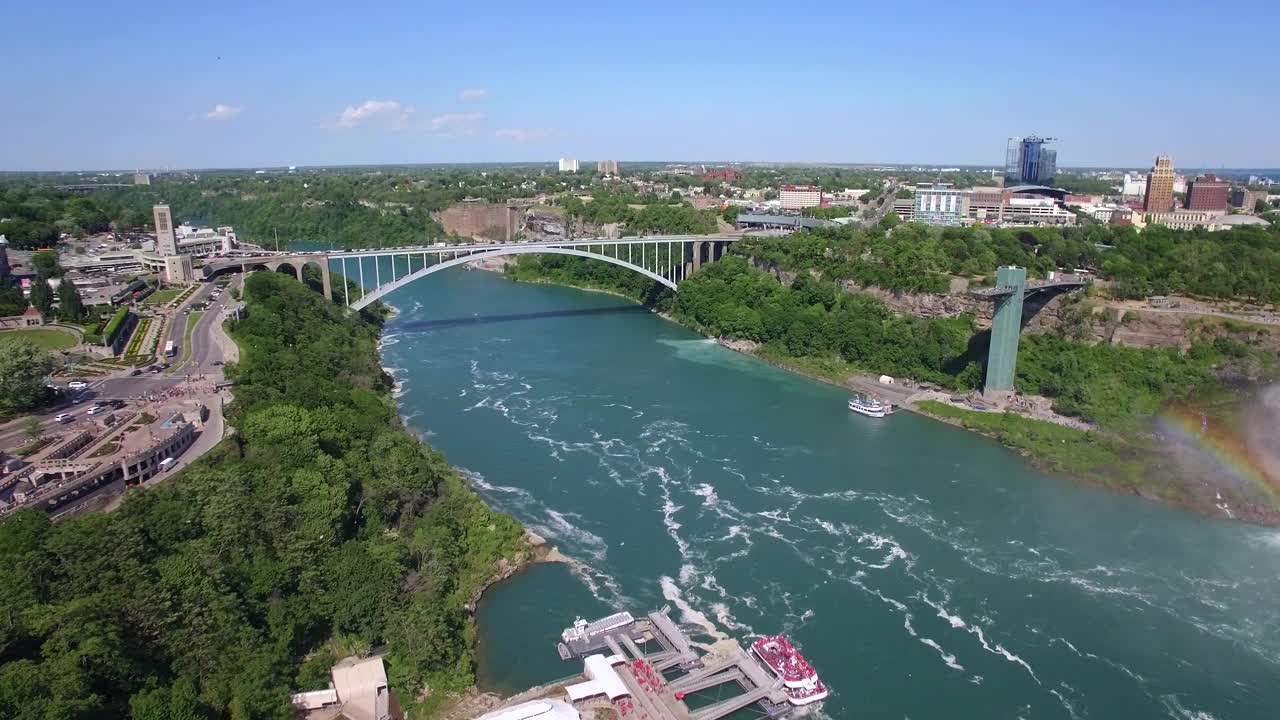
<point>325,285</point>
<point>697,255</point>
<point>1006,326</point>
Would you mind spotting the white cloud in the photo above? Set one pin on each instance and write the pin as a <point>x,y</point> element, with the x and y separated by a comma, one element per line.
<point>389,113</point>
<point>223,112</point>
<point>474,94</point>
<point>523,135</point>
<point>452,124</point>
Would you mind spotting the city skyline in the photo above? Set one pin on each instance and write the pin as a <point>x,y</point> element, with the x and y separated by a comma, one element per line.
<point>276,87</point>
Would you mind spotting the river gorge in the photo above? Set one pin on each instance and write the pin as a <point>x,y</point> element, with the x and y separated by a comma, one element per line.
<point>925,571</point>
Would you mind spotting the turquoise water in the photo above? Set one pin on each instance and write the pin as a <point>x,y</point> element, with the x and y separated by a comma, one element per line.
<point>925,571</point>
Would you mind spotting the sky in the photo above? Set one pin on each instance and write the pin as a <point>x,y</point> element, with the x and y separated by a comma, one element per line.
<point>164,85</point>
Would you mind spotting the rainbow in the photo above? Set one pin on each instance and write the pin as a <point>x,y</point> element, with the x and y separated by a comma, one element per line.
<point>1221,447</point>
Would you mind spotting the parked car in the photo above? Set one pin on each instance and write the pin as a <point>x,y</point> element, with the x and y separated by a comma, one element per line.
<point>135,372</point>
<point>77,384</point>
<point>64,417</point>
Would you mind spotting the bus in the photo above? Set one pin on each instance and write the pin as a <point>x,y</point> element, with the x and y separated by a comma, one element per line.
<point>169,349</point>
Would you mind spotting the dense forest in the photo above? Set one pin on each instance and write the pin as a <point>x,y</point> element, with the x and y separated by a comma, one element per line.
<point>642,214</point>
<point>320,529</point>
<point>1238,263</point>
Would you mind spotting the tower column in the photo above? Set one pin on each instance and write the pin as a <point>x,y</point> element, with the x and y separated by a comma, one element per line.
<point>1006,326</point>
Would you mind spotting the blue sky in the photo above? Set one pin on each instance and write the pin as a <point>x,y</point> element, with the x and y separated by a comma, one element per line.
<point>239,84</point>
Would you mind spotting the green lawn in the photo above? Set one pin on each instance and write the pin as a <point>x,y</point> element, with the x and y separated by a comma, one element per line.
<point>161,297</point>
<point>45,338</point>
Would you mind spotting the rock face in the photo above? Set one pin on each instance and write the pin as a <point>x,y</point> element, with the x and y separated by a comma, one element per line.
<point>1094,323</point>
<point>480,220</point>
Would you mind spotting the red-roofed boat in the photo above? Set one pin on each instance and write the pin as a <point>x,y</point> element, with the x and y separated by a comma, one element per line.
<point>799,679</point>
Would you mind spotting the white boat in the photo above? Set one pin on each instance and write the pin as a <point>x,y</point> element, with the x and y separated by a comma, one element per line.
<point>583,630</point>
<point>799,680</point>
<point>869,406</point>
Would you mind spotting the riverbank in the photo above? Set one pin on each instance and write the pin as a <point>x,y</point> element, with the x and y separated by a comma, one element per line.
<point>1135,461</point>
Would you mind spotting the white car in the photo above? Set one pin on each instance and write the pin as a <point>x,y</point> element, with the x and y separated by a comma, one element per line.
<point>77,384</point>
<point>96,409</point>
<point>63,417</point>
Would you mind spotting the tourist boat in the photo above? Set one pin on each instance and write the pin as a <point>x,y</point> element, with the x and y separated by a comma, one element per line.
<point>799,680</point>
<point>869,406</point>
<point>584,631</point>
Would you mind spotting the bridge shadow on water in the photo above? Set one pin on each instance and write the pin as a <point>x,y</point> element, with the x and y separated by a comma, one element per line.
<point>519,317</point>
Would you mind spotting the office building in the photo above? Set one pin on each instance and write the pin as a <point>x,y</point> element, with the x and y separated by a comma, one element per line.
<point>568,165</point>
<point>1246,200</point>
<point>607,167</point>
<point>166,241</point>
<point>940,204</point>
<point>4,262</point>
<point>1159,195</point>
<point>1031,160</point>
<point>1207,192</point>
<point>798,197</point>
<point>1181,219</point>
<point>141,179</point>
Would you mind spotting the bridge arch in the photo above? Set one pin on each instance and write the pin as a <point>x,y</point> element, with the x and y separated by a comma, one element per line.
<point>513,250</point>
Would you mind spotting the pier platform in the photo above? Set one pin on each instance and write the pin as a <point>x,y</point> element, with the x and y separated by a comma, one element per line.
<point>658,667</point>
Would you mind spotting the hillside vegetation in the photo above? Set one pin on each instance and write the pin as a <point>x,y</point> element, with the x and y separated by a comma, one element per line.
<point>322,527</point>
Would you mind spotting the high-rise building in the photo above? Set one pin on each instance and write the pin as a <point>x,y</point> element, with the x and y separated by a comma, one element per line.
<point>166,241</point>
<point>4,262</point>
<point>607,167</point>
<point>940,204</point>
<point>1207,192</point>
<point>798,197</point>
<point>1031,160</point>
<point>1159,197</point>
<point>568,165</point>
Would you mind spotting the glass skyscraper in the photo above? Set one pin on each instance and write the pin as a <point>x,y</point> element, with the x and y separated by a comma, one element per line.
<point>1031,160</point>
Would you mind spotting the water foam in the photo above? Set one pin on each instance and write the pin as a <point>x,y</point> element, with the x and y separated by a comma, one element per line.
<point>671,592</point>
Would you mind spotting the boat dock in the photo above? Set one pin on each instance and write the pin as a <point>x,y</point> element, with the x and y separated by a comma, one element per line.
<point>646,653</point>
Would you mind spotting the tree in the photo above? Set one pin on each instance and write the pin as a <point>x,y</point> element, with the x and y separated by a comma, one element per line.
<point>46,263</point>
<point>42,296</point>
<point>1261,207</point>
<point>23,369</point>
<point>70,305</point>
<point>890,220</point>
<point>32,428</point>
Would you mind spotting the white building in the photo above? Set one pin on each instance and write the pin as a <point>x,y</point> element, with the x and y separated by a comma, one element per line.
<point>847,196</point>
<point>178,270</point>
<point>940,204</point>
<point>607,167</point>
<point>798,197</point>
<point>166,241</point>
<point>201,242</point>
<point>535,710</point>
<point>568,165</point>
<point>1134,186</point>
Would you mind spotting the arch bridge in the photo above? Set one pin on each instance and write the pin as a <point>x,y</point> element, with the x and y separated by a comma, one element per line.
<point>666,259</point>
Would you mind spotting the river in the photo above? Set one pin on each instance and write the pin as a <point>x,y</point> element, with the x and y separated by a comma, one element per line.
<point>925,571</point>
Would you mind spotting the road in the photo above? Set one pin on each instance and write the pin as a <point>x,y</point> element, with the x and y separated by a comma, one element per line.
<point>205,352</point>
